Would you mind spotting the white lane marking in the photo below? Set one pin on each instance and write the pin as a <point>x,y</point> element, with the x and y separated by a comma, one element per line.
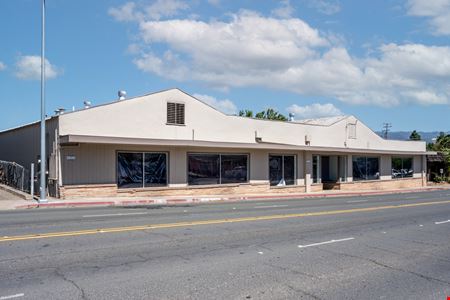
<point>442,222</point>
<point>327,242</point>
<point>270,206</point>
<point>357,201</point>
<point>384,232</point>
<point>116,215</point>
<point>234,208</point>
<point>260,253</point>
<point>12,296</point>
<point>420,225</point>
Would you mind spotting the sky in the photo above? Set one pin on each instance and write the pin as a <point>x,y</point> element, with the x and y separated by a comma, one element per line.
<point>382,61</point>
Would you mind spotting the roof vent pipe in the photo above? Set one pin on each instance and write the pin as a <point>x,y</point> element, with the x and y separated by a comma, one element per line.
<point>87,104</point>
<point>291,117</point>
<point>122,95</point>
<point>60,111</point>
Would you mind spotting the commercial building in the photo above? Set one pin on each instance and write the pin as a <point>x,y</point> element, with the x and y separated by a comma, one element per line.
<point>170,143</point>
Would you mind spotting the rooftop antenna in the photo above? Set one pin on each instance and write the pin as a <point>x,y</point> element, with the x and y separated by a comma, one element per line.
<point>386,128</point>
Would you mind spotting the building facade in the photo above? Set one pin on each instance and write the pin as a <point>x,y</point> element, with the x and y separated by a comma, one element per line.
<point>170,143</point>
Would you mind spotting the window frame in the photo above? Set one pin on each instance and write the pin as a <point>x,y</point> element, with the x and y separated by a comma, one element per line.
<point>167,155</point>
<point>403,158</point>
<point>366,157</point>
<point>282,167</point>
<point>220,167</point>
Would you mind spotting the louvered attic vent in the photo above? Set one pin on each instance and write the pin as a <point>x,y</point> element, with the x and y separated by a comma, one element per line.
<point>175,113</point>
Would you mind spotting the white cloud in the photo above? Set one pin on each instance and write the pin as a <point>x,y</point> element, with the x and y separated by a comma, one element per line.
<point>130,11</point>
<point>285,10</point>
<point>288,54</point>
<point>315,110</point>
<point>2,66</point>
<point>225,105</point>
<point>214,2</point>
<point>29,67</point>
<point>125,13</point>
<point>438,11</point>
<point>327,7</point>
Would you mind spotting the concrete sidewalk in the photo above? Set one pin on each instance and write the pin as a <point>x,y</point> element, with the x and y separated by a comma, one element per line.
<point>123,201</point>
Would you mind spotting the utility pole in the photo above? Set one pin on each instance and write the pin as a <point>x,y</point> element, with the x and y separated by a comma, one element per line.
<point>43,179</point>
<point>386,128</point>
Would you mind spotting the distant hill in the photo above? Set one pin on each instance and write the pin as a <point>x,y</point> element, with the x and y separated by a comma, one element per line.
<point>404,135</point>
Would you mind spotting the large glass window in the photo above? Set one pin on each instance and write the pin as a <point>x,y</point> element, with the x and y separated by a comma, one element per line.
<point>139,169</point>
<point>366,168</point>
<point>155,169</point>
<point>316,177</point>
<point>282,170</point>
<point>402,167</point>
<point>204,169</point>
<point>233,168</point>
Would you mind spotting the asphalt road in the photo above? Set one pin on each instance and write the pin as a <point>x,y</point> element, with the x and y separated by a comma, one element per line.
<point>375,247</point>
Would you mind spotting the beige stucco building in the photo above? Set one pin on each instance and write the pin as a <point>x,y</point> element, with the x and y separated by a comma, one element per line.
<point>170,143</point>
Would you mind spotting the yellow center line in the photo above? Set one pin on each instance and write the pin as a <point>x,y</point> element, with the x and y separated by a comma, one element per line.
<point>211,222</point>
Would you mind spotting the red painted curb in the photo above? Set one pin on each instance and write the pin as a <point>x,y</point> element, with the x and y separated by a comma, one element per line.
<point>219,199</point>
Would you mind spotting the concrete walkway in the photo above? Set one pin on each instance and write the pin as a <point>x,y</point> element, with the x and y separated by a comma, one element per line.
<point>180,200</point>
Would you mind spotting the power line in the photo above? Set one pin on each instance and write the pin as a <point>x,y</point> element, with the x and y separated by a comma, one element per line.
<point>386,129</point>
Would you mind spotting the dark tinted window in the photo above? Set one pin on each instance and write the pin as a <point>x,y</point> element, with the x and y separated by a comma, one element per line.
<point>275,169</point>
<point>289,169</point>
<point>282,169</point>
<point>233,168</point>
<point>129,170</point>
<point>366,168</point>
<point>137,170</point>
<point>155,169</point>
<point>203,169</point>
<point>402,167</point>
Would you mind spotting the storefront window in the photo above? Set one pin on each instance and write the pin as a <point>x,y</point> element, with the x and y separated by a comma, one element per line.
<point>155,169</point>
<point>402,167</point>
<point>316,178</point>
<point>282,170</point>
<point>139,169</point>
<point>204,169</point>
<point>366,168</point>
<point>233,168</point>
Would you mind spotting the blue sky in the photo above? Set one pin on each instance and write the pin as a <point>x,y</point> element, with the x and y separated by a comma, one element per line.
<point>382,61</point>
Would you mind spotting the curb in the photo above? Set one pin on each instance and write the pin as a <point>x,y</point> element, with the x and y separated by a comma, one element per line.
<point>199,200</point>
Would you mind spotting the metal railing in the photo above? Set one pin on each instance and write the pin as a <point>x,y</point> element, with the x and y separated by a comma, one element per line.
<point>15,176</point>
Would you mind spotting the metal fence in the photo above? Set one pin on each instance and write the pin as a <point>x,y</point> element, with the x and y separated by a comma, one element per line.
<point>15,175</point>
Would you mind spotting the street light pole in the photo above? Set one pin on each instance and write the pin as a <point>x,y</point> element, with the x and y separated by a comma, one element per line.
<point>43,193</point>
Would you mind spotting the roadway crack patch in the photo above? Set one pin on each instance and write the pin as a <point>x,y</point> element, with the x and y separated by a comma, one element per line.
<point>426,277</point>
<point>72,282</point>
<point>297,290</point>
<point>286,269</point>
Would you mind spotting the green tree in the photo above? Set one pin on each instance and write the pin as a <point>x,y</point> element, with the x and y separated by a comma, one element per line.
<point>415,136</point>
<point>442,142</point>
<point>270,114</point>
<point>246,113</point>
<point>442,145</point>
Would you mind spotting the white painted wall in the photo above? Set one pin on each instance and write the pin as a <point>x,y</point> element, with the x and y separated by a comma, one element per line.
<point>145,117</point>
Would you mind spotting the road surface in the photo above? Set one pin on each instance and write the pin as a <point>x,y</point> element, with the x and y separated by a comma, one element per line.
<point>374,247</point>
